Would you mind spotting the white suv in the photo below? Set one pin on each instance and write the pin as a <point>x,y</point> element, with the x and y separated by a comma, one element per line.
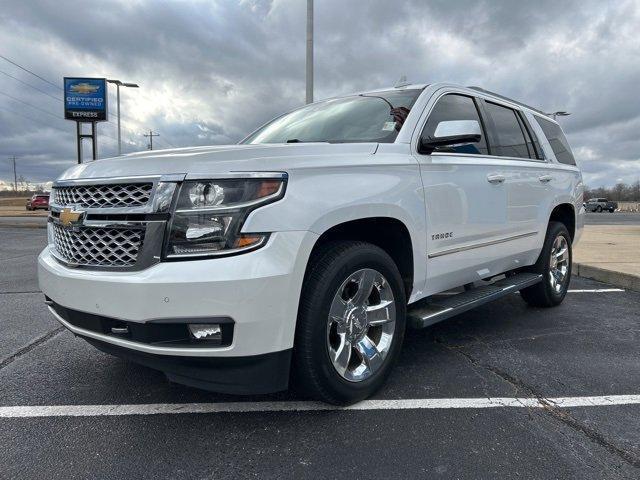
<point>304,251</point>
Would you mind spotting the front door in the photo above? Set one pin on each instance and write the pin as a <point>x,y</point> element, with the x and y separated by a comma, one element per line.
<point>466,201</point>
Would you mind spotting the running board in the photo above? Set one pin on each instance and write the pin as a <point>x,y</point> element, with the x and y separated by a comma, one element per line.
<point>437,307</point>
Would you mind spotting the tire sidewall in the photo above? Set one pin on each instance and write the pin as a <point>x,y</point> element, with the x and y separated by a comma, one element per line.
<point>556,230</point>
<point>367,256</point>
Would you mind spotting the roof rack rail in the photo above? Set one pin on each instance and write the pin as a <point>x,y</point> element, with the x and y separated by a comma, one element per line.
<point>509,100</point>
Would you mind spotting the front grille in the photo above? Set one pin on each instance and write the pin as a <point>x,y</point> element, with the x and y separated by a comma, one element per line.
<point>97,246</point>
<point>104,196</point>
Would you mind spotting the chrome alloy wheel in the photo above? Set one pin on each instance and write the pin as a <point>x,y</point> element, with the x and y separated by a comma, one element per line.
<point>361,324</point>
<point>558,263</point>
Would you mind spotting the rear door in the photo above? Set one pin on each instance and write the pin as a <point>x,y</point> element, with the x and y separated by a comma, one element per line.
<point>527,178</point>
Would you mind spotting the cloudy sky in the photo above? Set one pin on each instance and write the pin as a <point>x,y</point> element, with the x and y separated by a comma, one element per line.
<point>212,71</point>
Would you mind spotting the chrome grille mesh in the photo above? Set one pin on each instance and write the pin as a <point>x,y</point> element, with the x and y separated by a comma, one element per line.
<point>97,246</point>
<point>104,196</point>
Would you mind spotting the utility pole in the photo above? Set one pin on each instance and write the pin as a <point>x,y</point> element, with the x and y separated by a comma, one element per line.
<point>118,84</point>
<point>151,135</point>
<point>309,51</point>
<point>15,177</point>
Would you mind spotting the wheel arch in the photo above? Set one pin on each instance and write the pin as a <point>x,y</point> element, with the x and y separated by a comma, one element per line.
<point>565,213</point>
<point>388,233</point>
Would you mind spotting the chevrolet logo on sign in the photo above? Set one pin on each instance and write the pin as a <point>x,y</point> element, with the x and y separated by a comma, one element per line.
<point>70,217</point>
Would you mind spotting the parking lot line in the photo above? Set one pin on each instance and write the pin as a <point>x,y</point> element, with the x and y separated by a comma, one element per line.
<point>596,290</point>
<point>304,406</point>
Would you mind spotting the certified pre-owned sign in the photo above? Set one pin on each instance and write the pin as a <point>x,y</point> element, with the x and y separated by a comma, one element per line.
<point>85,99</point>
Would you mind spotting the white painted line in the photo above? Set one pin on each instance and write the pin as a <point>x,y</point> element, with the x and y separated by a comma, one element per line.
<point>248,407</point>
<point>597,290</point>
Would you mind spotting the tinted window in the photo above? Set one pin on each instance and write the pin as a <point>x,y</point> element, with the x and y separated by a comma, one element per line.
<point>358,118</point>
<point>530,137</point>
<point>557,140</point>
<point>510,138</point>
<point>455,107</point>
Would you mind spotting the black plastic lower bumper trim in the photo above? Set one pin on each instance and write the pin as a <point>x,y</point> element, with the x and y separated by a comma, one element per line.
<point>257,374</point>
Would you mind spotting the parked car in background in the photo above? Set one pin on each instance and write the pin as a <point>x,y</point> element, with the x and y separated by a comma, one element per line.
<point>305,251</point>
<point>38,201</point>
<point>600,204</point>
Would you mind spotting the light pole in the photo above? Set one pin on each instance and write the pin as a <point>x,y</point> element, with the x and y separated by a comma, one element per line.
<point>559,114</point>
<point>118,84</point>
<point>309,97</point>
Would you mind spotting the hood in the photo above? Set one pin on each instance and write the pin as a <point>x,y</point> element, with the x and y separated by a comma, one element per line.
<point>219,159</point>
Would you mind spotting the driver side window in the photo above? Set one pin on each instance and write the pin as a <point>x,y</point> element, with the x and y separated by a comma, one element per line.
<point>455,107</point>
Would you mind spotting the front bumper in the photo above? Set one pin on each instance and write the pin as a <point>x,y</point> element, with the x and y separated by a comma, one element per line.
<point>252,375</point>
<point>258,290</point>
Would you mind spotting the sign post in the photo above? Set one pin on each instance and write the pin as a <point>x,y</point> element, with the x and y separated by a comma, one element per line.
<point>85,101</point>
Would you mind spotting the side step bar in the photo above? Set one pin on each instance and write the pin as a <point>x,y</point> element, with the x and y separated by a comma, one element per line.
<point>437,307</point>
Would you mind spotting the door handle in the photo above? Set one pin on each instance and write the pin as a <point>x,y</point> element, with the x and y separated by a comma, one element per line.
<point>545,178</point>
<point>495,178</point>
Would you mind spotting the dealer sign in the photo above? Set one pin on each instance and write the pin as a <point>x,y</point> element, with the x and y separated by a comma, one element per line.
<point>85,99</point>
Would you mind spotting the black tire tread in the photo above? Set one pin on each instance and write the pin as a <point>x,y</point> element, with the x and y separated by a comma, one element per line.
<point>306,378</point>
<point>540,295</point>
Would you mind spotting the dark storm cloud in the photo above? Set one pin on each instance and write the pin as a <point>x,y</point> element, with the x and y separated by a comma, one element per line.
<point>212,71</point>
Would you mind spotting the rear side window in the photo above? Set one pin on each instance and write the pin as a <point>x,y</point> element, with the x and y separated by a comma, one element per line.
<point>510,136</point>
<point>455,107</point>
<point>557,140</point>
<point>532,141</point>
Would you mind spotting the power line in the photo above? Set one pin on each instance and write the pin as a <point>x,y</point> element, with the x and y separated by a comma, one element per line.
<point>29,71</point>
<point>32,106</point>
<point>41,121</point>
<point>29,85</point>
<point>45,80</point>
<point>58,87</point>
<point>49,113</point>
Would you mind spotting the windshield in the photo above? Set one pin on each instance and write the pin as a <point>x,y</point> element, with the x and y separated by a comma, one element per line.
<point>371,117</point>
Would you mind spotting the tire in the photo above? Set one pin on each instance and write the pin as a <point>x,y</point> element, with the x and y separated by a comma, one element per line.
<point>319,369</point>
<point>599,209</point>
<point>547,293</point>
<point>611,210</point>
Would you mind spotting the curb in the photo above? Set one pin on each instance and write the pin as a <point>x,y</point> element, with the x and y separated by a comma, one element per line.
<point>23,225</point>
<point>619,279</point>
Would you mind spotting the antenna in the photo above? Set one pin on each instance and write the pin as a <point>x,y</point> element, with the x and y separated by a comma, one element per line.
<point>402,82</point>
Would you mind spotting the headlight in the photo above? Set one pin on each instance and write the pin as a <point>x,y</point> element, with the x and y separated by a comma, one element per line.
<point>209,215</point>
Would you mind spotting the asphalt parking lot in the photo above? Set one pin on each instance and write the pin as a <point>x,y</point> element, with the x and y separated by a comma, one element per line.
<point>448,411</point>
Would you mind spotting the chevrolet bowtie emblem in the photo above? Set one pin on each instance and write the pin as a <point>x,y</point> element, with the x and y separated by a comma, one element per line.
<point>70,217</point>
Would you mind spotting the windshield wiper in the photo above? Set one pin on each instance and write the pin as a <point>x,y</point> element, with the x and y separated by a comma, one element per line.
<point>293,140</point>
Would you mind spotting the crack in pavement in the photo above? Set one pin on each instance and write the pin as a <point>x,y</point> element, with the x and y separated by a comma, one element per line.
<point>30,346</point>
<point>548,406</point>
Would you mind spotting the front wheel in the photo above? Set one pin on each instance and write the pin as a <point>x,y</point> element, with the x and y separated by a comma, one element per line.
<point>351,322</point>
<point>554,264</point>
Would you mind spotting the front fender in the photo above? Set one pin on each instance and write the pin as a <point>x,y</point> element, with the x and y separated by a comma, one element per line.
<point>320,198</point>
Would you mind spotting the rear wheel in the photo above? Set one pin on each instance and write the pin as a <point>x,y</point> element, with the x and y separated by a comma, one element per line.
<point>599,209</point>
<point>554,264</point>
<point>351,323</point>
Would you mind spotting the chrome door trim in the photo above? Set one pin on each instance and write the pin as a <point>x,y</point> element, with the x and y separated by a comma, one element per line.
<point>480,245</point>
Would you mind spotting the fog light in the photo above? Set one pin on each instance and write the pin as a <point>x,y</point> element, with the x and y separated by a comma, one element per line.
<point>209,332</point>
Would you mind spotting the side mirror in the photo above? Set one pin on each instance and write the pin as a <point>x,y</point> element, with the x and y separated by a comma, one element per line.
<point>451,132</point>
